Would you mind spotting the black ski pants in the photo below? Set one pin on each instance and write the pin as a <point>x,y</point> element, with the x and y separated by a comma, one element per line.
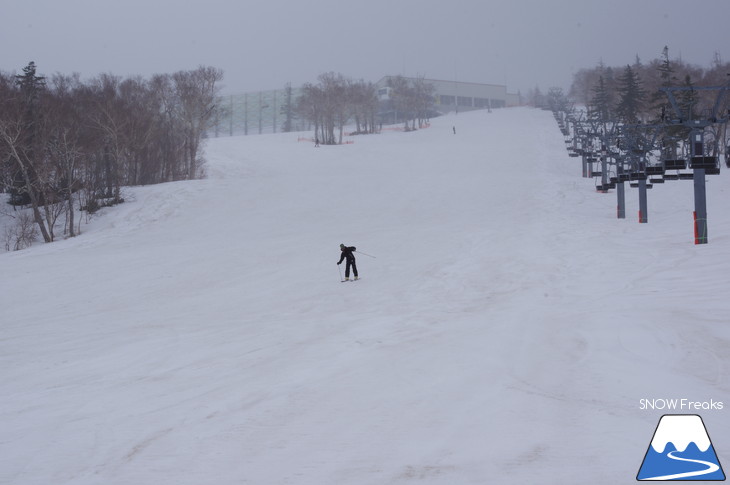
<point>350,262</point>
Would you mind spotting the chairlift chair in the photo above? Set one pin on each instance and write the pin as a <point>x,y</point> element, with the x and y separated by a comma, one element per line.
<point>676,164</point>
<point>655,170</point>
<point>703,162</point>
<point>711,164</point>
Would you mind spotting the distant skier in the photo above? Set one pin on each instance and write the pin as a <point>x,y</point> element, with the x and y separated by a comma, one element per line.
<point>347,254</point>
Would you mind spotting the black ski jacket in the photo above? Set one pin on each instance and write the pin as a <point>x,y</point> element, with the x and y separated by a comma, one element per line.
<point>347,253</point>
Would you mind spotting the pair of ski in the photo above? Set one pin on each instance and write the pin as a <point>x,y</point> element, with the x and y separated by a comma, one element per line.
<point>347,281</point>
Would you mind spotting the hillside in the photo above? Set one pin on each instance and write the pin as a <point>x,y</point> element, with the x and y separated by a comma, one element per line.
<point>505,331</point>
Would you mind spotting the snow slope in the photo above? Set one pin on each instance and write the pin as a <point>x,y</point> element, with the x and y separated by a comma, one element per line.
<point>504,333</point>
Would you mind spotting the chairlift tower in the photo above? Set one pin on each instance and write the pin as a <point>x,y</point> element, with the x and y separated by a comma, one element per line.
<point>590,136</point>
<point>604,159</point>
<point>621,176</point>
<point>700,162</point>
<point>638,141</point>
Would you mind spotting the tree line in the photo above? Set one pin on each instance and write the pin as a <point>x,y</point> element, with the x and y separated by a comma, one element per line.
<point>632,93</point>
<point>68,145</point>
<point>335,100</point>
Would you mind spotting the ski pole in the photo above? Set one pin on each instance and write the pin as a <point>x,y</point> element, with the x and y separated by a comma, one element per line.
<point>339,270</point>
<point>365,254</point>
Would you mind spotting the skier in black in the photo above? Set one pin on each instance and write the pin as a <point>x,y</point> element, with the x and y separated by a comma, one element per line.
<point>347,254</point>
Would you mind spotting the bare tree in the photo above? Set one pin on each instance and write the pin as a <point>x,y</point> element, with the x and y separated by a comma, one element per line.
<point>402,96</point>
<point>363,100</point>
<point>21,234</point>
<point>196,93</point>
<point>413,99</point>
<point>65,146</point>
<point>109,119</point>
<point>329,105</point>
<point>424,99</point>
<point>168,148</point>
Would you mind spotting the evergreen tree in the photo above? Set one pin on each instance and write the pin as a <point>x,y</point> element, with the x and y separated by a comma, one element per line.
<point>31,89</point>
<point>600,107</point>
<point>27,148</point>
<point>660,101</point>
<point>287,109</point>
<point>687,99</point>
<point>536,98</point>
<point>30,85</point>
<point>637,64</point>
<point>662,108</point>
<point>631,96</point>
<point>666,71</point>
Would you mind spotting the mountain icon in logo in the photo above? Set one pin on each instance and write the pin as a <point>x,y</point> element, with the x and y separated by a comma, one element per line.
<point>681,450</point>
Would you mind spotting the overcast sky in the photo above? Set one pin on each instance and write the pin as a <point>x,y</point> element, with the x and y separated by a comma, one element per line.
<point>263,44</point>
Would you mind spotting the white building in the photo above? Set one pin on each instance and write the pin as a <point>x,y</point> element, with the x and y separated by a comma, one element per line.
<point>460,96</point>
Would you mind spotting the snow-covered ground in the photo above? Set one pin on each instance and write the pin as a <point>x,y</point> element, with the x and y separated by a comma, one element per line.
<point>505,332</point>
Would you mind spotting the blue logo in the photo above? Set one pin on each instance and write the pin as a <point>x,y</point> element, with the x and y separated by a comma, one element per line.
<point>681,450</point>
